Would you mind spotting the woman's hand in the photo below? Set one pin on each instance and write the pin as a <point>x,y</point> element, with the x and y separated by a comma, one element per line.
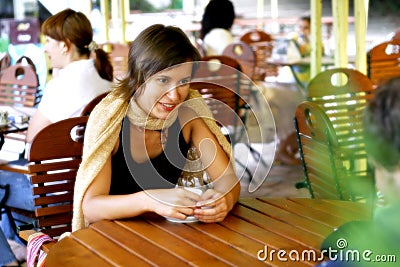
<point>175,203</point>
<point>213,207</point>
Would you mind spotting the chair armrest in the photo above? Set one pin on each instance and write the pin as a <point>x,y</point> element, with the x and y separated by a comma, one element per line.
<point>14,168</point>
<point>25,236</point>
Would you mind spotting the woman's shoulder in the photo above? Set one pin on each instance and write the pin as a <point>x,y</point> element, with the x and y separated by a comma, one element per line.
<point>186,113</point>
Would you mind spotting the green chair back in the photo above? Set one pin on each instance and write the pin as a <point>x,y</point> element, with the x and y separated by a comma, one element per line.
<point>343,94</point>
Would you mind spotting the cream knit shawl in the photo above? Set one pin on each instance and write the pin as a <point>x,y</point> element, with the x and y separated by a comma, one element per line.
<point>101,135</point>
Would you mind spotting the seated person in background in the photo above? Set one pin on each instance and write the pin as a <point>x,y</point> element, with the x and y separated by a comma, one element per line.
<point>381,236</point>
<point>301,39</point>
<point>216,24</point>
<point>127,166</point>
<point>69,44</point>
<point>302,36</point>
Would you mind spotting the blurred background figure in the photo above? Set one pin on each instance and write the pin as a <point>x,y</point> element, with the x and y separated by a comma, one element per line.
<point>302,36</point>
<point>301,39</point>
<point>217,20</point>
<point>381,235</point>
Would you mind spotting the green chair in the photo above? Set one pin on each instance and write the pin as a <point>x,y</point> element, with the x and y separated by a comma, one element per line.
<point>317,138</point>
<point>342,94</point>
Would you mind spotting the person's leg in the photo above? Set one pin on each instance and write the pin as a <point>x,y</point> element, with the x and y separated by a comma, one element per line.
<point>6,254</point>
<point>20,196</point>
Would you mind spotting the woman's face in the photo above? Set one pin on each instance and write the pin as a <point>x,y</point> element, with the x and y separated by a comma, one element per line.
<point>165,90</point>
<point>304,27</point>
<point>56,51</point>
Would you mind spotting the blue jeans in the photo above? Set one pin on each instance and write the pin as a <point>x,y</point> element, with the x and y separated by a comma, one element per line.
<point>6,254</point>
<point>20,196</point>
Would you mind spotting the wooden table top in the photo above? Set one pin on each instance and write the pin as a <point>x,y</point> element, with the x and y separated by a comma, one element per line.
<point>14,126</point>
<point>13,112</point>
<point>253,230</point>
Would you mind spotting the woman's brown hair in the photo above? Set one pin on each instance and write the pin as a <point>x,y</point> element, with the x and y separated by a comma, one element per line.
<point>154,49</point>
<point>74,27</point>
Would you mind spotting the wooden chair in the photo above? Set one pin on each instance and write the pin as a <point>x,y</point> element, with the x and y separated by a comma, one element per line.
<point>227,92</point>
<point>262,44</point>
<point>224,105</point>
<point>245,55</point>
<point>317,139</point>
<point>225,72</point>
<point>92,104</point>
<point>53,161</point>
<point>19,87</point>
<point>383,62</point>
<point>119,57</point>
<point>343,95</point>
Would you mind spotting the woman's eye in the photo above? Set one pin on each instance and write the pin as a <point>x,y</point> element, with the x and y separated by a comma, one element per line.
<point>162,80</point>
<point>185,81</point>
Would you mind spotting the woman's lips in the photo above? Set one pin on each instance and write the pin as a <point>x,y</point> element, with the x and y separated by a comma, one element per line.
<point>167,107</point>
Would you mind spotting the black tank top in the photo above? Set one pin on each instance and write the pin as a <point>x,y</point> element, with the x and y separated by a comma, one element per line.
<point>162,171</point>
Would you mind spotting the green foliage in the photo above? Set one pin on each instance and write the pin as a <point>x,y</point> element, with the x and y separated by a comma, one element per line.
<point>384,7</point>
<point>175,4</point>
<point>142,5</point>
<point>146,6</point>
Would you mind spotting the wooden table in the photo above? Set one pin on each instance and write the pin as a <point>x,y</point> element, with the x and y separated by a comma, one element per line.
<point>13,126</point>
<point>253,227</point>
<point>282,61</point>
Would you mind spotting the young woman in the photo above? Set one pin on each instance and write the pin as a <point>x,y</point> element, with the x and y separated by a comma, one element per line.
<point>78,79</point>
<point>138,136</point>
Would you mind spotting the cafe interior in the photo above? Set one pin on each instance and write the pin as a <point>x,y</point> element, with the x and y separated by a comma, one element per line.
<point>297,132</point>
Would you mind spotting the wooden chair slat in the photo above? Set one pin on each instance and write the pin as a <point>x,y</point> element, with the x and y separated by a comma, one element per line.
<point>53,188</point>
<point>61,219</point>
<point>59,198</point>
<point>66,174</point>
<point>53,210</point>
<point>70,163</point>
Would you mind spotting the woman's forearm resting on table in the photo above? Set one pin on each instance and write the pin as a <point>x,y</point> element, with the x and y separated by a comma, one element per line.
<point>178,203</point>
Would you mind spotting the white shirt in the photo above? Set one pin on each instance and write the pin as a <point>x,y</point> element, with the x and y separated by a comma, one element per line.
<point>71,90</point>
<point>216,40</point>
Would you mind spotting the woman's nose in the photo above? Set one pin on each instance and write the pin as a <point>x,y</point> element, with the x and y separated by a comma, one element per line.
<point>173,93</point>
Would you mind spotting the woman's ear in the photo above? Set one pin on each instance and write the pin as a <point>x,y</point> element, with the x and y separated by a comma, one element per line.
<point>64,48</point>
